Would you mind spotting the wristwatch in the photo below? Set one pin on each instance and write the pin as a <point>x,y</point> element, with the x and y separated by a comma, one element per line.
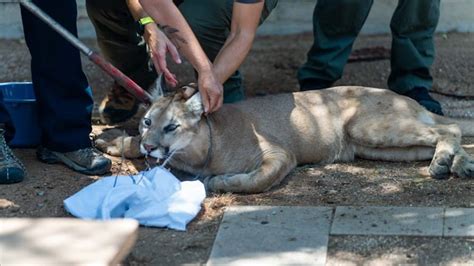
<point>141,24</point>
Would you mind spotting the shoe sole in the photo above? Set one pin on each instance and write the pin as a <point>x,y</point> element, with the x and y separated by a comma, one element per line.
<point>54,158</point>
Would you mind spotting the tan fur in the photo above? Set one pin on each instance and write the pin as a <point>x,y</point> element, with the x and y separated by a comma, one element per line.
<point>256,143</point>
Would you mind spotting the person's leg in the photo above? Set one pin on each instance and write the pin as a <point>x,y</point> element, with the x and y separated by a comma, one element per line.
<point>413,25</point>
<point>6,122</point>
<point>64,98</point>
<point>210,20</point>
<point>61,88</point>
<point>118,39</point>
<point>125,49</point>
<point>336,24</point>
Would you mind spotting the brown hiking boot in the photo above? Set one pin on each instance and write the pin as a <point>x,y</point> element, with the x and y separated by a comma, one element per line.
<point>118,106</point>
<point>87,161</point>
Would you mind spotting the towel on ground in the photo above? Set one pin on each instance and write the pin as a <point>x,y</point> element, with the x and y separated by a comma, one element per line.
<point>154,198</point>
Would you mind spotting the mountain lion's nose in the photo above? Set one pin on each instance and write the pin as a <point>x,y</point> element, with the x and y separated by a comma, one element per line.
<point>149,147</point>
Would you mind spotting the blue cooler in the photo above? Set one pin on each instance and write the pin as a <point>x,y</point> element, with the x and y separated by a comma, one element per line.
<point>20,101</point>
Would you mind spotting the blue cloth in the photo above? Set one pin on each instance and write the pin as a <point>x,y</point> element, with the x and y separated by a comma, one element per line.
<point>153,198</point>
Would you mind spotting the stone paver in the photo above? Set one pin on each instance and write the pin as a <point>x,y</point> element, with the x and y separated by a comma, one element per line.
<point>388,221</point>
<point>65,241</point>
<point>458,222</point>
<point>266,235</point>
<point>399,250</point>
<point>272,235</point>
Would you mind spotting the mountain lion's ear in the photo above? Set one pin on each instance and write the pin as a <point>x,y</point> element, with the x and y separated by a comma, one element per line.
<point>158,88</point>
<point>194,104</point>
<point>189,90</point>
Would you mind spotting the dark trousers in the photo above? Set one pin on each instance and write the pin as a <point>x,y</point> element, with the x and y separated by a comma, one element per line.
<point>210,21</point>
<point>63,96</point>
<point>336,24</point>
<point>5,121</point>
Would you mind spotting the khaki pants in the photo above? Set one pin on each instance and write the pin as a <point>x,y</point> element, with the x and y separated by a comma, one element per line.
<point>336,24</point>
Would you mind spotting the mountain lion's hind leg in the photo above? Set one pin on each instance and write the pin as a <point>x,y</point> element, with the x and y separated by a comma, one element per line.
<point>405,139</point>
<point>447,148</point>
<point>463,164</point>
<point>274,167</point>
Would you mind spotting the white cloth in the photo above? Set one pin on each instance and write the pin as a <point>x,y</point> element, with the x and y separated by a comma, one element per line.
<point>154,198</point>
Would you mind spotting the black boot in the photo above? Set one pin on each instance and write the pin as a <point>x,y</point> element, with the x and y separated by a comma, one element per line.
<point>421,95</point>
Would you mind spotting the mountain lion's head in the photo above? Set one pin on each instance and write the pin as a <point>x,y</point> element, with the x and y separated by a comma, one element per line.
<point>171,122</point>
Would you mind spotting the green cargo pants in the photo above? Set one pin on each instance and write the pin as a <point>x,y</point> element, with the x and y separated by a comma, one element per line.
<point>336,24</point>
<point>209,19</point>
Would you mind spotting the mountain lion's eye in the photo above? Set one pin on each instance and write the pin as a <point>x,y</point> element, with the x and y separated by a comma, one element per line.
<point>170,128</point>
<point>147,122</point>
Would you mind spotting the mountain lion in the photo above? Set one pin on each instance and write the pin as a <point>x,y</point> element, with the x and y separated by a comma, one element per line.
<point>251,146</point>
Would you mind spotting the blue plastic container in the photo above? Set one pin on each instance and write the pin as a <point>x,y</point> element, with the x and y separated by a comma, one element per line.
<point>20,101</point>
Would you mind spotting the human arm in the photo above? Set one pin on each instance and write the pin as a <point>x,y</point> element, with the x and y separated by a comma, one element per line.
<point>158,44</point>
<point>245,20</point>
<point>178,31</point>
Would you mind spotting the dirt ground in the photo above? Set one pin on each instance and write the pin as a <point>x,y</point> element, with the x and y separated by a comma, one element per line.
<point>271,68</point>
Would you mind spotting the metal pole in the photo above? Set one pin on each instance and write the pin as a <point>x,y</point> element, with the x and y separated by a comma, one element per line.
<point>115,73</point>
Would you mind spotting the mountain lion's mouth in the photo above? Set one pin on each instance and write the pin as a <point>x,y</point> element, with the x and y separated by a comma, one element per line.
<point>151,161</point>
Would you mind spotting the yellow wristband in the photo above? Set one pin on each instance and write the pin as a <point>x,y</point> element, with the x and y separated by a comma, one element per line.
<point>146,20</point>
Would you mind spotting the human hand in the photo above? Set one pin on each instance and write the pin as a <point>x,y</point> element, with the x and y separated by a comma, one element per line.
<point>212,92</point>
<point>159,46</point>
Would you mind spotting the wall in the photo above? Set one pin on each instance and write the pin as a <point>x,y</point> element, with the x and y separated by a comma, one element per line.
<point>291,16</point>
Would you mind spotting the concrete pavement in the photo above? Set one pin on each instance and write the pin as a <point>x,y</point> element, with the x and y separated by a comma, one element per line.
<point>276,235</point>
